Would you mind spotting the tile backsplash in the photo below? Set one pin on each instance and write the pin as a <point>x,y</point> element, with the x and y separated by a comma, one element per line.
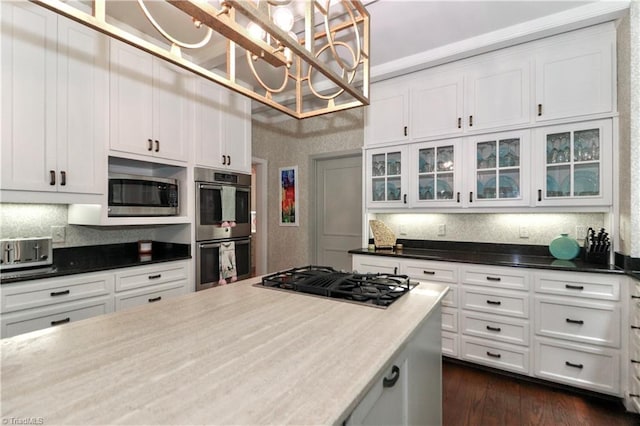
<point>36,220</point>
<point>540,228</point>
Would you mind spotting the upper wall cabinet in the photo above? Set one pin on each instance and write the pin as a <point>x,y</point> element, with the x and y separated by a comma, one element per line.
<point>149,105</point>
<point>387,116</point>
<point>387,177</point>
<point>222,128</point>
<point>497,93</point>
<point>54,103</point>
<point>561,77</point>
<point>575,77</point>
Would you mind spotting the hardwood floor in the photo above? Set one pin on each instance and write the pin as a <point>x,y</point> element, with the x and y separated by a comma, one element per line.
<point>476,397</point>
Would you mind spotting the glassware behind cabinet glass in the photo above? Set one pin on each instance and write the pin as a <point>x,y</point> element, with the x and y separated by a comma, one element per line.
<point>378,165</point>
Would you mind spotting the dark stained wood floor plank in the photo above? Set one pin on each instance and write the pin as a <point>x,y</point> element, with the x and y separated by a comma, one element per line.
<point>475,397</point>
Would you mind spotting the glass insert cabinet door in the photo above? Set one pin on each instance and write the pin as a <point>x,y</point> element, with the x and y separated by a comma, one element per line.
<point>387,171</point>
<point>498,168</point>
<point>576,163</point>
<point>437,167</point>
<point>573,163</point>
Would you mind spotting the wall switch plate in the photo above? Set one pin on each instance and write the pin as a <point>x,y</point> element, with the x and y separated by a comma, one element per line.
<point>524,231</point>
<point>442,229</point>
<point>403,229</point>
<point>58,234</point>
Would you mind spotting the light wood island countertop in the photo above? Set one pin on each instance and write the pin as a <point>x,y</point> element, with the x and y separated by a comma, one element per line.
<point>235,354</point>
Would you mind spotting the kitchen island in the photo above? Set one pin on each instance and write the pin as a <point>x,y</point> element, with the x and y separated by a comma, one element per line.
<point>236,354</point>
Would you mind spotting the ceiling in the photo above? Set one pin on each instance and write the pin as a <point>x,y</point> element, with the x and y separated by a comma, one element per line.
<point>424,31</point>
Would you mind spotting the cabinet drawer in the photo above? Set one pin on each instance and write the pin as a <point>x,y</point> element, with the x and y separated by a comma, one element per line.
<point>503,329</point>
<point>586,367</point>
<point>449,344</point>
<point>20,296</point>
<point>588,322</point>
<point>449,319</point>
<point>513,278</point>
<point>593,286</point>
<point>431,271</point>
<point>365,264</point>
<point>496,302</point>
<point>451,298</point>
<point>634,394</point>
<point>63,313</point>
<point>497,355</point>
<point>150,275</point>
<point>149,295</point>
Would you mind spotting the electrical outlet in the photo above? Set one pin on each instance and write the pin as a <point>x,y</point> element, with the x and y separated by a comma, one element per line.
<point>581,232</point>
<point>58,234</point>
<point>524,231</point>
<point>403,229</point>
<point>442,229</point>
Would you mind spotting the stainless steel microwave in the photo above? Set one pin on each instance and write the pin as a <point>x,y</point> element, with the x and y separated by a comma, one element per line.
<point>133,195</point>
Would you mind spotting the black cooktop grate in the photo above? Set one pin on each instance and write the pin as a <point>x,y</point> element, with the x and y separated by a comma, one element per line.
<point>372,289</point>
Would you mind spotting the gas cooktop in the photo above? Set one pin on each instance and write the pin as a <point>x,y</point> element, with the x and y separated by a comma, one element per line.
<point>379,290</point>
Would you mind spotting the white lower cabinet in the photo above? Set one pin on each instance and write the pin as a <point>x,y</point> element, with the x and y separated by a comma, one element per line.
<point>397,397</point>
<point>583,366</point>
<point>150,284</point>
<point>561,326</point>
<point>494,354</point>
<point>55,315</point>
<point>33,305</point>
<point>37,304</point>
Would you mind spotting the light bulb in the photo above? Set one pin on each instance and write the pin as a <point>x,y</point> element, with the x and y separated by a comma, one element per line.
<point>256,31</point>
<point>283,18</point>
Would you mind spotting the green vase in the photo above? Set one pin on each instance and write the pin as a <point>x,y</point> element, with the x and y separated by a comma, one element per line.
<point>563,247</point>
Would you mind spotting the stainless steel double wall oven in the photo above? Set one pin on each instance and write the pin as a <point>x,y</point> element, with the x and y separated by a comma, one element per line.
<point>221,196</point>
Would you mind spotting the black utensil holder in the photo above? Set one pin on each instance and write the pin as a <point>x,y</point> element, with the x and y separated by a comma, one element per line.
<point>601,258</point>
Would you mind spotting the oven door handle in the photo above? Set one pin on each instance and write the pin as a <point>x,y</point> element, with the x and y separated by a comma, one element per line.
<point>207,186</point>
<point>209,245</point>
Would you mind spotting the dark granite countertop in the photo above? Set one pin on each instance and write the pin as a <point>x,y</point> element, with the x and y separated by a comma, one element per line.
<point>514,255</point>
<point>84,259</point>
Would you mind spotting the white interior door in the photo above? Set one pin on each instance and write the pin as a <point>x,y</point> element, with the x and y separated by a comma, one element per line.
<point>338,183</point>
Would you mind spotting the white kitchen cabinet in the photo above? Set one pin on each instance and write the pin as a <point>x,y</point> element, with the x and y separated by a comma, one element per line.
<point>577,334</point>
<point>37,304</point>
<point>386,177</point>
<point>387,116</point>
<point>494,354</point>
<point>575,74</point>
<point>436,105</point>
<point>150,284</point>
<point>54,103</point>
<point>150,105</point>
<point>223,128</point>
<point>632,396</point>
<point>583,366</point>
<point>374,264</point>
<point>497,93</point>
<point>398,396</point>
<point>499,172</point>
<point>573,164</point>
<point>435,173</point>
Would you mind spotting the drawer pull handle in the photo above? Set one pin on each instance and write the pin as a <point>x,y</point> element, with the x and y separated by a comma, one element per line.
<point>493,278</point>
<point>492,355</point>
<point>391,381</point>
<point>570,364</point>
<point>635,297</point>
<point>574,287</point>
<point>52,177</point>
<point>395,270</point>
<point>494,302</point>
<point>633,361</point>
<point>490,328</point>
<point>572,321</point>
<point>155,299</point>
<point>59,293</point>
<point>62,321</point>
<point>155,277</point>
<point>635,327</point>
<point>429,272</point>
